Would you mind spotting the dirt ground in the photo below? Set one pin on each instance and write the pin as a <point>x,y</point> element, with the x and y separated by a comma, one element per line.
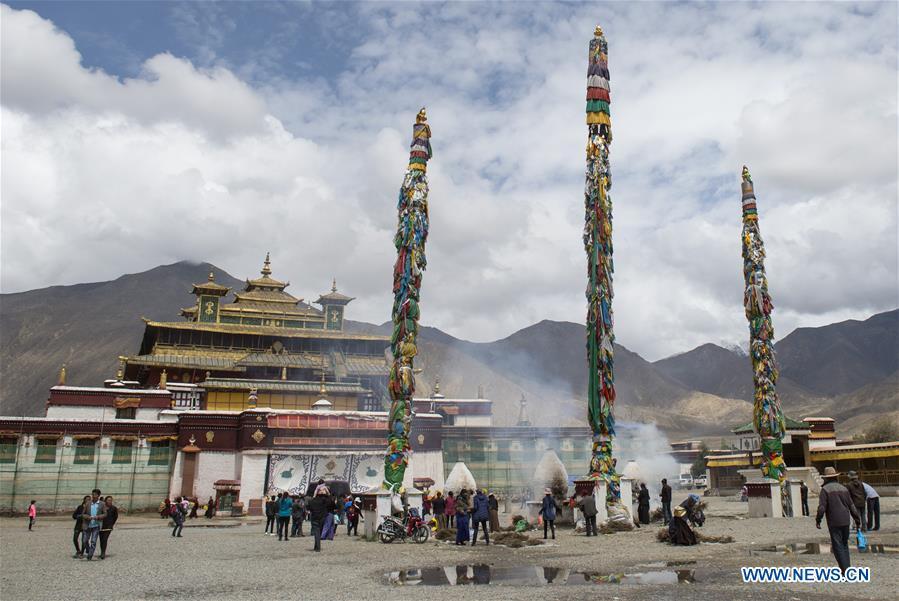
<point>235,560</point>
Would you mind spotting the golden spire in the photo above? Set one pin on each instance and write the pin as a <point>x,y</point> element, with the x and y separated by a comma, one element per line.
<point>437,386</point>
<point>321,389</point>
<point>62,376</point>
<point>211,277</point>
<point>284,373</point>
<point>163,380</point>
<point>597,32</point>
<point>334,285</point>
<point>266,266</point>
<point>121,371</point>
<point>422,116</point>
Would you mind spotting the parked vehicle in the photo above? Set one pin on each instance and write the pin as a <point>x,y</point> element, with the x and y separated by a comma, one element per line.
<point>412,527</point>
<point>685,481</point>
<point>700,481</point>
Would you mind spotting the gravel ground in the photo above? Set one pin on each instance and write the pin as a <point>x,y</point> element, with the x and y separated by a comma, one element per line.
<point>239,562</point>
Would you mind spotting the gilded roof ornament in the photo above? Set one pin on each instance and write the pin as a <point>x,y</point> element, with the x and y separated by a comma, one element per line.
<point>266,265</point>
<point>597,32</point>
<point>422,116</point>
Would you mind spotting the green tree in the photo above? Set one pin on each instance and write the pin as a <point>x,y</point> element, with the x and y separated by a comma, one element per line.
<point>698,467</point>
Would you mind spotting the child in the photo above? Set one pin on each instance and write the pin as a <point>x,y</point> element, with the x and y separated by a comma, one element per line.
<point>32,513</point>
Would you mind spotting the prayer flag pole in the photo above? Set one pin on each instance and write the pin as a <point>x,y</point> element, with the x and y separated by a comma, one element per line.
<point>411,235</point>
<point>598,245</point>
<point>767,415</point>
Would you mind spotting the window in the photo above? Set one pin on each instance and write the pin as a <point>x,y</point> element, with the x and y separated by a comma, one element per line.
<point>46,450</point>
<point>84,450</point>
<point>502,450</point>
<point>126,413</point>
<point>122,450</point>
<point>8,449</point>
<point>159,452</point>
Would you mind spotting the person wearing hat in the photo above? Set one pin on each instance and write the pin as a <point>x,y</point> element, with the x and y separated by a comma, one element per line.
<point>548,510</point>
<point>859,496</point>
<point>835,502</point>
<point>679,531</point>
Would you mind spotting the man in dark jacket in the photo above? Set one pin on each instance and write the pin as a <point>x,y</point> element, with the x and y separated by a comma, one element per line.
<point>480,514</point>
<point>588,508</point>
<point>299,514</point>
<point>438,505</point>
<point>318,511</point>
<point>79,527</point>
<point>859,496</point>
<point>548,509</point>
<point>271,510</point>
<point>666,501</point>
<point>803,494</point>
<point>836,503</point>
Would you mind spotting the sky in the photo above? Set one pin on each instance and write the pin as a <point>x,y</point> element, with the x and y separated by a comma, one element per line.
<point>138,134</point>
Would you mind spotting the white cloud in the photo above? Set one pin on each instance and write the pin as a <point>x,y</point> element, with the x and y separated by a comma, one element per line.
<point>190,161</point>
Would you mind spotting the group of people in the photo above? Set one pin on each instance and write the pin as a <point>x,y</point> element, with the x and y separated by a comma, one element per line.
<point>841,505</point>
<point>321,509</point>
<point>95,519</point>
<point>468,508</point>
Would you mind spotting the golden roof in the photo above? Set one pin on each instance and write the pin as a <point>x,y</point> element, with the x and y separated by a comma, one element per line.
<point>210,287</point>
<point>234,328</point>
<point>334,297</point>
<point>266,281</point>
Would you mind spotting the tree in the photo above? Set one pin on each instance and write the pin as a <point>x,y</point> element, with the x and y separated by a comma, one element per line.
<point>882,430</point>
<point>698,467</point>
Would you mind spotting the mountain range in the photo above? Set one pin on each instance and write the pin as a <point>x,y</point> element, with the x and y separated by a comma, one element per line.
<point>848,370</point>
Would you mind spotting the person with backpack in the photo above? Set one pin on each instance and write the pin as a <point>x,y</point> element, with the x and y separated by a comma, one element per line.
<point>177,515</point>
<point>548,509</point>
<point>271,510</point>
<point>285,509</point>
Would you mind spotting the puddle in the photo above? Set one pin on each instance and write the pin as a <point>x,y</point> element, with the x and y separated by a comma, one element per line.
<point>460,575</point>
<point>819,549</point>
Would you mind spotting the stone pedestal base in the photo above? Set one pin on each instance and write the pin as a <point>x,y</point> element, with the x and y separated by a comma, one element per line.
<point>764,498</point>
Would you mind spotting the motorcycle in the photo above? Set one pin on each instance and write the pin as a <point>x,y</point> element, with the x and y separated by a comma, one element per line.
<point>411,527</point>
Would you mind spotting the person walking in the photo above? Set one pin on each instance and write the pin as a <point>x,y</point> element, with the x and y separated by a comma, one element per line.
<point>450,510</point>
<point>426,505</point>
<point>587,506</point>
<point>177,510</point>
<point>480,514</point>
<point>548,509</point>
<point>859,496</point>
<point>463,534</point>
<point>803,494</point>
<point>665,497</point>
<point>32,513</point>
<point>643,504</point>
<point>79,527</point>
<point>271,511</point>
<point>439,507</point>
<point>109,520</point>
<point>285,509</point>
<point>298,514</point>
<point>352,518</point>
<point>837,505</point>
<point>318,511</point>
<point>493,504</point>
<point>210,509</point>
<point>873,507</point>
<point>92,519</point>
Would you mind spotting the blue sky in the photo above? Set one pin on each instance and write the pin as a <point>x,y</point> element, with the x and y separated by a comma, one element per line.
<point>147,133</point>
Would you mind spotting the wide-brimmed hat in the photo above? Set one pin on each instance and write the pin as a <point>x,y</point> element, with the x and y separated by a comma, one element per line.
<point>853,475</point>
<point>829,472</point>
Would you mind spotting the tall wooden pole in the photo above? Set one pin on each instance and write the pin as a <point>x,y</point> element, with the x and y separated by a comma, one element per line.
<point>411,235</point>
<point>598,245</point>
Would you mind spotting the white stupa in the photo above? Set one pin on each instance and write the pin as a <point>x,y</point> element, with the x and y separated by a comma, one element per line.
<point>460,477</point>
<point>632,472</point>
<point>550,473</point>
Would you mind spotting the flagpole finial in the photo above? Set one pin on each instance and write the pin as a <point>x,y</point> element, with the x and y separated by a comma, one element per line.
<point>597,32</point>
